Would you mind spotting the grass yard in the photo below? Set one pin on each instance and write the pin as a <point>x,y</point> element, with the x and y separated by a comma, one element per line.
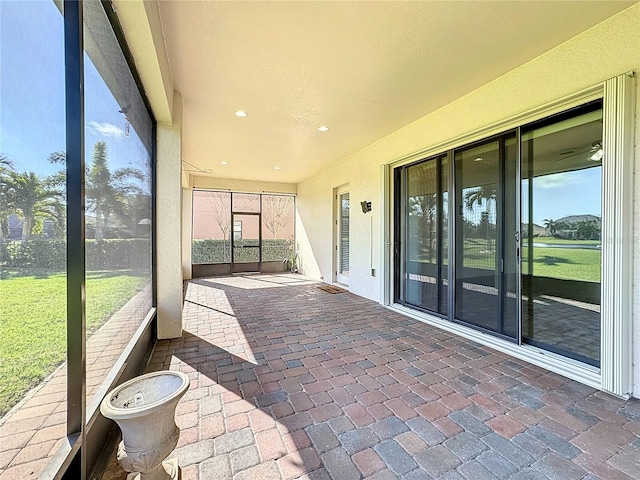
<point>33,323</point>
<point>563,241</point>
<point>566,263</point>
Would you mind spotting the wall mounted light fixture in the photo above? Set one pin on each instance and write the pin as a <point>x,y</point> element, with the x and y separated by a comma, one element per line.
<point>366,206</point>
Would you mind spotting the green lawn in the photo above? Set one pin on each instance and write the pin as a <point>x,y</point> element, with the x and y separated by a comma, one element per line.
<point>564,241</point>
<point>33,323</point>
<point>566,263</point>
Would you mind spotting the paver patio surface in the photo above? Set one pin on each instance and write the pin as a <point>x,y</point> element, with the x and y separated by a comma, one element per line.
<point>289,381</point>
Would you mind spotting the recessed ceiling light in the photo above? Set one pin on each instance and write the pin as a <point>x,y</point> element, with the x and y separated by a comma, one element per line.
<point>241,113</point>
<point>323,128</point>
<point>223,163</point>
<point>276,168</point>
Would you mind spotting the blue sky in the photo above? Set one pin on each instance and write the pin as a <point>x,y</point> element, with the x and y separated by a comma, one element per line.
<point>32,120</point>
<point>570,193</point>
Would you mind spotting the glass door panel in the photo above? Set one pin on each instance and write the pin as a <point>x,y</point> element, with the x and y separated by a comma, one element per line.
<point>486,262</point>
<point>477,177</point>
<point>510,239</point>
<point>444,237</point>
<point>562,218</point>
<point>246,239</point>
<point>426,204</point>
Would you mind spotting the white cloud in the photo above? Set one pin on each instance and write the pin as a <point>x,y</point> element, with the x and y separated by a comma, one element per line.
<point>557,180</point>
<point>106,129</point>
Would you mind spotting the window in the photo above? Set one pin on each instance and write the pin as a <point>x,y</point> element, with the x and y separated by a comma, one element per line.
<point>237,230</point>
<point>33,216</point>
<point>246,229</point>
<point>342,235</point>
<point>118,140</point>
<point>278,227</point>
<point>211,241</point>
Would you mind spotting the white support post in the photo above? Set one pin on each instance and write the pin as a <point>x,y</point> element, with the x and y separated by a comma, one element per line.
<point>617,236</point>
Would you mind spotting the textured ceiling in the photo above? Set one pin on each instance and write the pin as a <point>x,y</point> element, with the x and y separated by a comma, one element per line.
<point>365,69</point>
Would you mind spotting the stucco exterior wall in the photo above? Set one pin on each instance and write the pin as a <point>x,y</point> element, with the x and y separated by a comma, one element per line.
<point>607,50</point>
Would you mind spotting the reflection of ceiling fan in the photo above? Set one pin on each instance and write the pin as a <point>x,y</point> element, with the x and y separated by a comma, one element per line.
<point>596,151</point>
<point>593,153</point>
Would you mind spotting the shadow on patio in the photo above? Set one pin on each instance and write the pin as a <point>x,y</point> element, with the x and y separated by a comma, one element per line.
<point>288,381</point>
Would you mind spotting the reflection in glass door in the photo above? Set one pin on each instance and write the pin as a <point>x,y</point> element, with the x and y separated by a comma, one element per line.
<point>561,212</point>
<point>425,252</point>
<point>485,266</point>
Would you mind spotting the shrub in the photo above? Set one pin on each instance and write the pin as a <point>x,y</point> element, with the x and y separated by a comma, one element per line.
<point>218,251</point>
<point>111,254</point>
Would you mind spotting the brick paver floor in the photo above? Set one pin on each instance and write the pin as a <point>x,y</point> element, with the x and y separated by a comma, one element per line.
<point>288,381</point>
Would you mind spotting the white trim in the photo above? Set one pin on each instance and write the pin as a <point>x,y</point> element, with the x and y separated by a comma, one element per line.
<point>617,236</point>
<point>561,365</point>
<point>386,236</point>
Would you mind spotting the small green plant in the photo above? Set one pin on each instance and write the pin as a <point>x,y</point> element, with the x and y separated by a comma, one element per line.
<point>292,260</point>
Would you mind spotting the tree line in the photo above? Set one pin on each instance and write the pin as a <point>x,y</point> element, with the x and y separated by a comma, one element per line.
<point>113,197</point>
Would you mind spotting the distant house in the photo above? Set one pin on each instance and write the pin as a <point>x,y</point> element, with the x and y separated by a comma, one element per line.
<point>572,219</point>
<point>538,230</point>
<point>583,227</point>
<point>15,228</point>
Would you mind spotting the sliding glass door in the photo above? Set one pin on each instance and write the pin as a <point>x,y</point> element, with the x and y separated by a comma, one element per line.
<point>520,236</point>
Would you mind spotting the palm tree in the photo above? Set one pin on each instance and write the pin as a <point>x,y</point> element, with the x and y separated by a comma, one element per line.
<point>551,226</point>
<point>108,192</point>
<point>480,195</point>
<point>5,163</point>
<point>32,199</point>
<point>422,204</point>
<point>6,200</point>
<point>483,194</point>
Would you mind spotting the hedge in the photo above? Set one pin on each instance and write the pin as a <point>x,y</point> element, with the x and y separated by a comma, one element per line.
<point>111,254</point>
<point>219,251</point>
<point>133,253</point>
